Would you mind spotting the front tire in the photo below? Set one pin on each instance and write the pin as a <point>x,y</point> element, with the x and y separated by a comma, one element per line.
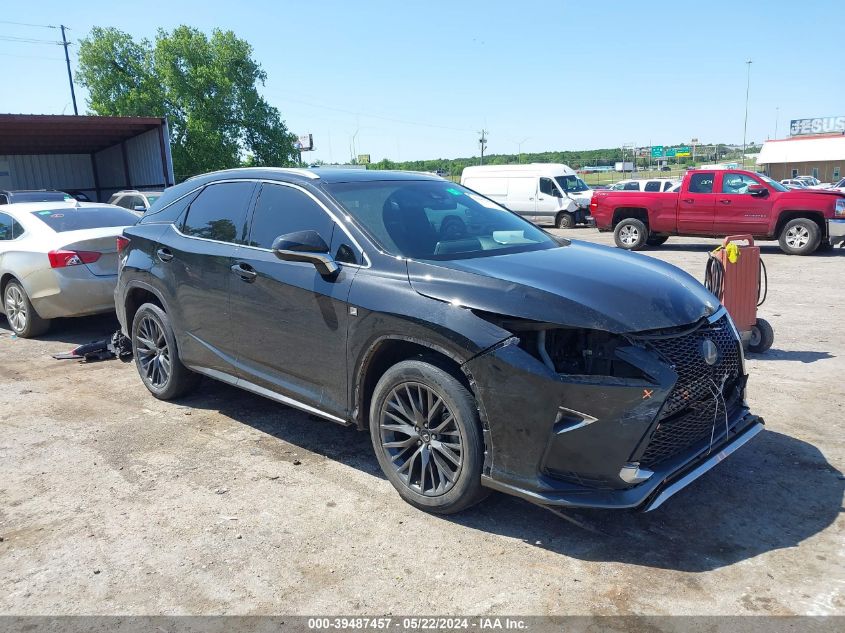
<point>426,433</point>
<point>631,234</point>
<point>565,220</point>
<point>156,355</point>
<point>800,236</point>
<point>22,317</point>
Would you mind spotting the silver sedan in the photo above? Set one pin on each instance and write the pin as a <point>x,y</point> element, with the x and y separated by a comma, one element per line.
<point>57,259</point>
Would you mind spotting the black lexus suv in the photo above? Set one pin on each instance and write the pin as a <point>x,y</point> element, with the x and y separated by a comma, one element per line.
<point>479,351</point>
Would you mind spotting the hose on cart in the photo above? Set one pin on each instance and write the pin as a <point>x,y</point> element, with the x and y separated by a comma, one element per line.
<point>714,276</point>
<point>714,279</point>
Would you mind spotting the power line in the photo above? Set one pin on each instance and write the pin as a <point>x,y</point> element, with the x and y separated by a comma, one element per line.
<point>54,59</point>
<point>41,26</point>
<point>27,40</point>
<point>376,116</point>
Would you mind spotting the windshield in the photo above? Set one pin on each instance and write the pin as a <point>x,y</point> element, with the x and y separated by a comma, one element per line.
<point>77,218</point>
<point>436,220</point>
<point>571,184</point>
<point>39,196</point>
<point>774,184</point>
<point>152,197</point>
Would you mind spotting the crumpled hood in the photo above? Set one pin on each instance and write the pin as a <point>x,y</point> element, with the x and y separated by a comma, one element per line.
<point>579,285</point>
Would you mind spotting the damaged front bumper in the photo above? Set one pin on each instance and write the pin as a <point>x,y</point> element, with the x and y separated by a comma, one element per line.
<point>646,496</point>
<point>608,442</point>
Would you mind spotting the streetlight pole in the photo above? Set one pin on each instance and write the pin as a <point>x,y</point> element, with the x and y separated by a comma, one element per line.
<point>483,143</point>
<point>519,146</point>
<point>745,125</point>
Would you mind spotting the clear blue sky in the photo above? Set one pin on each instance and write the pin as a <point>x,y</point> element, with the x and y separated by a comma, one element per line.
<point>417,79</point>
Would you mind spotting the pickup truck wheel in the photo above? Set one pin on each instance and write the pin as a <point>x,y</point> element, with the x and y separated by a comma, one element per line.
<point>564,220</point>
<point>630,234</point>
<point>656,240</point>
<point>799,237</point>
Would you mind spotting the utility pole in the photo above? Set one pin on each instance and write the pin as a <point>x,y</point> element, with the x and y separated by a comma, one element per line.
<point>483,143</point>
<point>745,125</point>
<point>69,75</point>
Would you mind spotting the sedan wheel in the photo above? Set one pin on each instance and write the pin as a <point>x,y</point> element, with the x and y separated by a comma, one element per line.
<point>22,317</point>
<point>16,311</point>
<point>629,235</point>
<point>421,439</point>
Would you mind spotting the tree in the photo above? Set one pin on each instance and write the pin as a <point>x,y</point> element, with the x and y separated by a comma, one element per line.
<point>207,88</point>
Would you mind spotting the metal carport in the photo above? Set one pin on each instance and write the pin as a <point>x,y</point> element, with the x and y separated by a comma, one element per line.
<point>94,154</point>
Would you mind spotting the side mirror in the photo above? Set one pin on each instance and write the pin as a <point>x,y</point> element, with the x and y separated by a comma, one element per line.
<point>306,246</point>
<point>758,191</point>
<point>140,207</point>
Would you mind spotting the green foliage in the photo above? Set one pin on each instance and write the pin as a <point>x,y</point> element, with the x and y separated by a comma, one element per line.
<point>207,88</point>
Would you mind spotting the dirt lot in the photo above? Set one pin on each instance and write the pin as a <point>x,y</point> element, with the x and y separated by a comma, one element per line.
<point>114,502</point>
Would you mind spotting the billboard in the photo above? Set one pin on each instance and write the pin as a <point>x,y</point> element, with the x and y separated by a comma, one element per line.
<point>363,159</point>
<point>818,125</point>
<point>304,143</point>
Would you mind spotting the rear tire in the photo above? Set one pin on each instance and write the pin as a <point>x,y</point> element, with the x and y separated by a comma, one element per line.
<point>800,236</point>
<point>156,355</point>
<point>631,234</point>
<point>426,434</point>
<point>565,220</point>
<point>762,337</point>
<point>22,317</point>
<point>656,240</point>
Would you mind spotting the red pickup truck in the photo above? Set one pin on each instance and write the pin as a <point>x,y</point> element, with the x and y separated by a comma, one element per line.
<point>724,202</point>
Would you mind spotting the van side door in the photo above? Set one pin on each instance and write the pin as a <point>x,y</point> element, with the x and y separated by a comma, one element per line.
<point>522,196</point>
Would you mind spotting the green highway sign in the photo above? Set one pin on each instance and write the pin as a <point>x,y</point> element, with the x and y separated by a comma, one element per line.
<point>657,151</point>
<point>670,153</point>
<point>682,151</point>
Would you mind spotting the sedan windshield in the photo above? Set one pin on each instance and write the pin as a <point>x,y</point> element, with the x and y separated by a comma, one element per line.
<point>571,184</point>
<point>77,218</point>
<point>436,220</point>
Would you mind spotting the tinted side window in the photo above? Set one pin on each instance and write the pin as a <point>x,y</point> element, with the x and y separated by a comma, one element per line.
<point>171,213</point>
<point>219,212</point>
<point>701,183</point>
<point>652,185</point>
<point>667,185</point>
<point>632,186</point>
<point>547,187</point>
<point>9,228</point>
<point>281,210</point>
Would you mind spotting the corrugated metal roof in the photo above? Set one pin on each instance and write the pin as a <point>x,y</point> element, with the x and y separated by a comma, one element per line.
<point>61,134</point>
<point>803,150</point>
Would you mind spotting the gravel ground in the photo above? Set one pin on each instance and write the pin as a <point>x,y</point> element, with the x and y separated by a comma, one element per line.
<point>112,502</point>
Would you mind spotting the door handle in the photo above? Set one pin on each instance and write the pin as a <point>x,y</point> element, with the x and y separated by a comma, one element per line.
<point>530,198</point>
<point>540,198</point>
<point>164,254</point>
<point>725,201</point>
<point>245,272</point>
<point>689,200</point>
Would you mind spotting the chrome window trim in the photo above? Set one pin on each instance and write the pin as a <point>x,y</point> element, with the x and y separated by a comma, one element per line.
<point>262,181</point>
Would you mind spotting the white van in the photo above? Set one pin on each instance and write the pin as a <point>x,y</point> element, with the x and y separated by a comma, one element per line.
<point>545,193</point>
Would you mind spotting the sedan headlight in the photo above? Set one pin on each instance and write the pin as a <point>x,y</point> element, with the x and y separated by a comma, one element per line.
<point>839,209</point>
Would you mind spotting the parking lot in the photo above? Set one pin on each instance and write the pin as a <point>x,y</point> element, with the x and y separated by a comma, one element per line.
<point>226,503</point>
